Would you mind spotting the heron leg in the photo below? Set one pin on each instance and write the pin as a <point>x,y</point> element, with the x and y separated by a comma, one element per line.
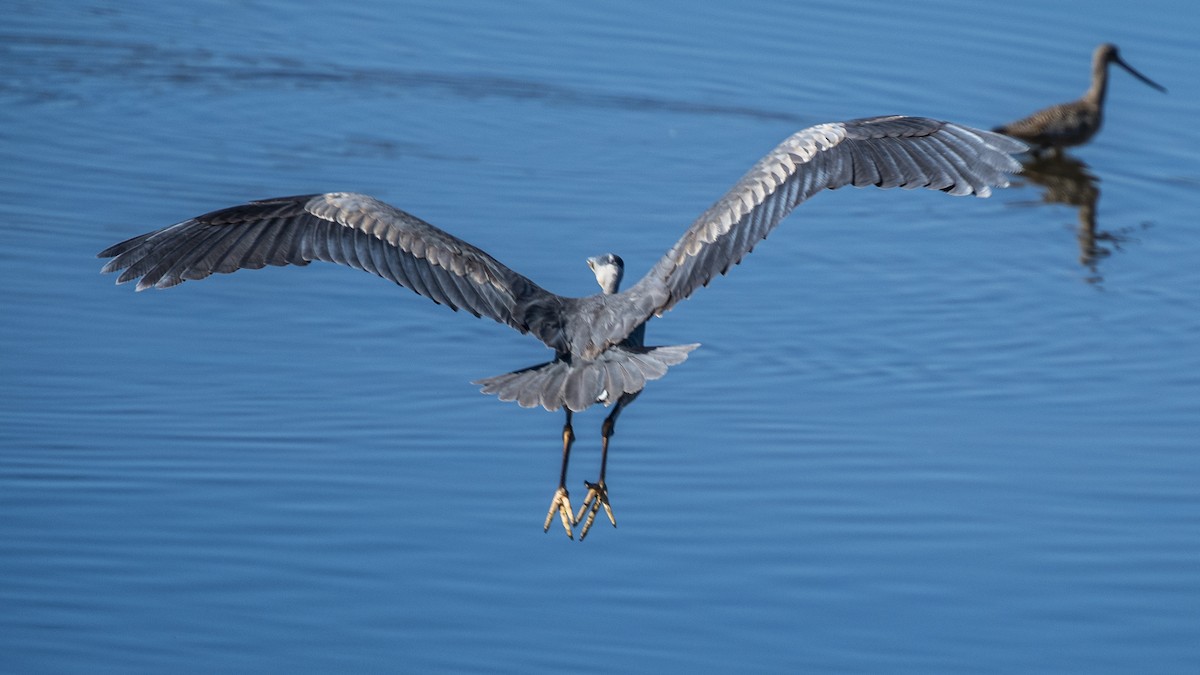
<point>597,494</point>
<point>561,504</point>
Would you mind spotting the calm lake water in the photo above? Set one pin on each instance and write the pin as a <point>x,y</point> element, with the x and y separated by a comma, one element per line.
<point>923,434</point>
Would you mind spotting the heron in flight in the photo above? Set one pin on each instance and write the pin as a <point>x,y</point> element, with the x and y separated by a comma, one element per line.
<point>598,340</point>
<point>1074,123</point>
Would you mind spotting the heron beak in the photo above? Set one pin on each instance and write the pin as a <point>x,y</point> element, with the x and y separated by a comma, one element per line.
<point>1121,62</point>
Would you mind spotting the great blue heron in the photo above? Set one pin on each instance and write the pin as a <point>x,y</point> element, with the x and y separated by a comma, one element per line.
<point>1074,123</point>
<point>599,355</point>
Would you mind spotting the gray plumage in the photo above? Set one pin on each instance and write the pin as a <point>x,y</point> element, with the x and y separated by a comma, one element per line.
<point>598,340</point>
<point>595,359</point>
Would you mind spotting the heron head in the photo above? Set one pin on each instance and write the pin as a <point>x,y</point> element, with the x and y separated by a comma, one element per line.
<point>608,268</point>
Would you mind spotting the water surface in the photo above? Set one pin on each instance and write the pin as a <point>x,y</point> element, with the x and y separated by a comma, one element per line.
<point>923,434</point>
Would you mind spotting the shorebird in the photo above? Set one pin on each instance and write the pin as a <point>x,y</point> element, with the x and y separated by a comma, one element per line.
<point>1068,124</point>
<point>598,340</point>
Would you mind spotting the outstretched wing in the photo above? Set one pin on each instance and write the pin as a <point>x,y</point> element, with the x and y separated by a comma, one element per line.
<point>907,152</point>
<point>345,228</point>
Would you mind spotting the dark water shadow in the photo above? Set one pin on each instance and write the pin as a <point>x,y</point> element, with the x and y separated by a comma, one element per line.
<point>41,68</point>
<point>1067,180</point>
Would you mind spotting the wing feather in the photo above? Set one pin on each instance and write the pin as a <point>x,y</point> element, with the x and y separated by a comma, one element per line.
<point>907,152</point>
<point>361,232</point>
<point>248,252</point>
<point>344,228</point>
<point>168,272</point>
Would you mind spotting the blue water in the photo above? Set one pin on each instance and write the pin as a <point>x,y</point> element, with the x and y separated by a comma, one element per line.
<point>923,434</point>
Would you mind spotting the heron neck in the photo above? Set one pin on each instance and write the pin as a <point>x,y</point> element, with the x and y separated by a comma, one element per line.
<point>609,284</point>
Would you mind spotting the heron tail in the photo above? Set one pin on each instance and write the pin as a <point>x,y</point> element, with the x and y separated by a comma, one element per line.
<point>578,383</point>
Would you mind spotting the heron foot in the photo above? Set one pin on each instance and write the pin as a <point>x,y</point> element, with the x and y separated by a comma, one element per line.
<point>597,496</point>
<point>561,504</point>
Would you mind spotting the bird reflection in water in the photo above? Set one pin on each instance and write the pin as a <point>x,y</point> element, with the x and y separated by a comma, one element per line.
<point>1067,180</point>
